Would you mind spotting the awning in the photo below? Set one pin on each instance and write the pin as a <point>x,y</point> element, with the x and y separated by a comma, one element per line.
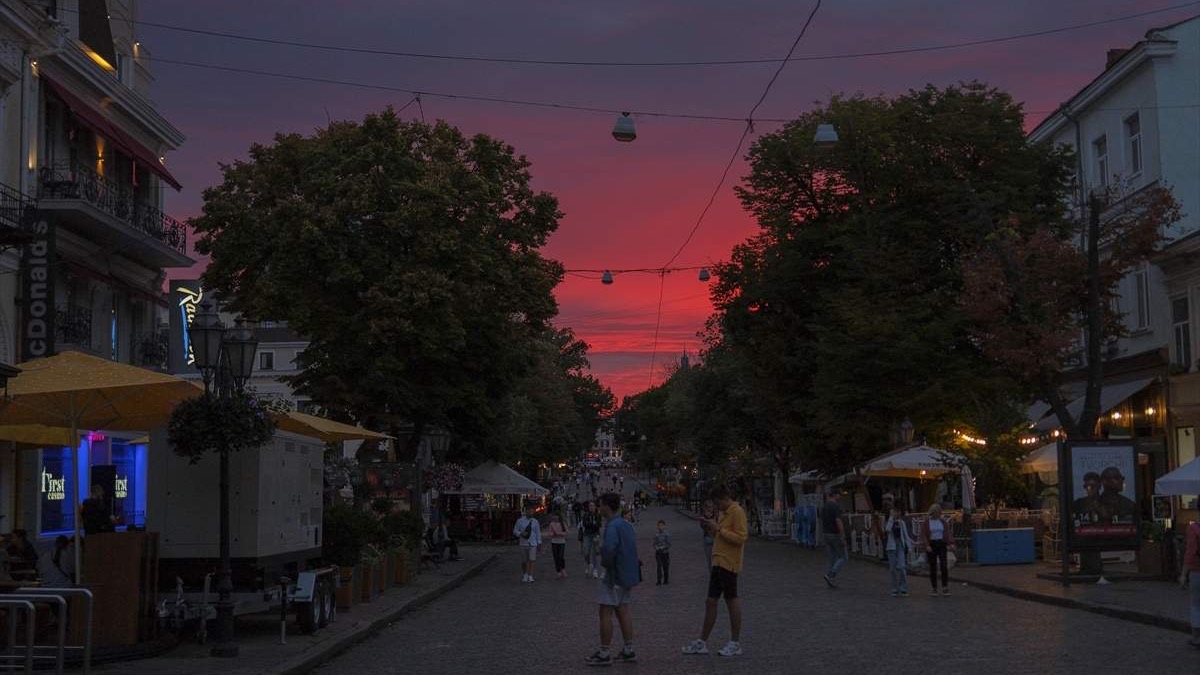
<point>324,429</point>
<point>1111,396</point>
<point>99,123</point>
<point>497,479</point>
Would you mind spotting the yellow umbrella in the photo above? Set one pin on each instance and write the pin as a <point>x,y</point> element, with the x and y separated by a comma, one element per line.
<point>323,429</point>
<point>37,435</point>
<point>76,391</point>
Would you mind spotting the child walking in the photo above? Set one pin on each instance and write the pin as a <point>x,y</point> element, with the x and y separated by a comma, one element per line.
<point>662,554</point>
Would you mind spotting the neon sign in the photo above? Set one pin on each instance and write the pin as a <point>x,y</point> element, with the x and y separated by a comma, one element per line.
<point>189,300</point>
<point>55,489</point>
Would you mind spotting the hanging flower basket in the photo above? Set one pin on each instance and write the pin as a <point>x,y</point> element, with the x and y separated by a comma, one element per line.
<point>444,478</point>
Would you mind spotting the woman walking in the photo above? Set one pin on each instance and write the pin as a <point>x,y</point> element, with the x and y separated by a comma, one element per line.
<point>938,539</point>
<point>558,545</point>
<point>1191,563</point>
<point>899,543</point>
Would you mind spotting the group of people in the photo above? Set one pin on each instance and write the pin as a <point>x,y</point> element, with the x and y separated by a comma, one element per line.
<point>937,537</point>
<point>20,560</point>
<point>608,543</point>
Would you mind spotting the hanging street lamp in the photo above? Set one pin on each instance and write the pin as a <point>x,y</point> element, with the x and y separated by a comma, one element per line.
<point>826,135</point>
<point>624,130</point>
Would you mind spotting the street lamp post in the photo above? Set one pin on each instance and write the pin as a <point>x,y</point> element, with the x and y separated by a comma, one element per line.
<point>228,357</point>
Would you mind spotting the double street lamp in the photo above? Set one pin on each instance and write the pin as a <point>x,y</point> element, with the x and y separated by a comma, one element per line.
<point>225,358</point>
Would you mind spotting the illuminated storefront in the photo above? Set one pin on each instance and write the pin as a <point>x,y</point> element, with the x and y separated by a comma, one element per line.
<point>117,465</point>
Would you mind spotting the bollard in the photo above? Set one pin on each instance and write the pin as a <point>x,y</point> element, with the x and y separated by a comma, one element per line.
<point>283,593</point>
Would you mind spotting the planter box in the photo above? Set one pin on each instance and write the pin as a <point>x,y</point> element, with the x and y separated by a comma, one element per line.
<point>1150,559</point>
<point>347,592</point>
<point>379,570</point>
<point>399,567</point>
<point>366,588</point>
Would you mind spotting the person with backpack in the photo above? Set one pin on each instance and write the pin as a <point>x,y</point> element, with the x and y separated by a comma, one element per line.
<point>619,556</point>
<point>899,542</point>
<point>528,532</point>
<point>1191,564</point>
<point>589,537</point>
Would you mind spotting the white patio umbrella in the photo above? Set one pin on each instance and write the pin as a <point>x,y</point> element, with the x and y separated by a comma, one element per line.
<point>1182,481</point>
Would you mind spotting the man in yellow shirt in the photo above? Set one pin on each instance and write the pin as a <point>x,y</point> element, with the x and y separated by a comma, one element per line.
<point>729,538</point>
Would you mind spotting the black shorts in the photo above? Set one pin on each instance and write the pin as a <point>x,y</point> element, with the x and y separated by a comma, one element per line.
<point>722,582</point>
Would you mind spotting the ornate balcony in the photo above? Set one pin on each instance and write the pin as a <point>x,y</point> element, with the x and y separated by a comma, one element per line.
<point>83,195</point>
<point>73,326</point>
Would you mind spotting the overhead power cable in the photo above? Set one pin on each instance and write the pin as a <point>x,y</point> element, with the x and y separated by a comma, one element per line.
<point>453,96</point>
<point>737,152</point>
<point>353,49</point>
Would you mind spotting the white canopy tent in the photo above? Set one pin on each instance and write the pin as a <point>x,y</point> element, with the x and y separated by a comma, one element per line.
<point>1182,481</point>
<point>1042,460</point>
<point>922,461</point>
<point>497,479</point>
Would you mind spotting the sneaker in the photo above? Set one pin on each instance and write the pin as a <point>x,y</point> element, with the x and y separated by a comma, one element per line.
<point>934,592</point>
<point>731,648</point>
<point>524,578</point>
<point>587,571</point>
<point>945,590</point>
<point>599,658</point>
<point>697,647</point>
<point>829,580</point>
<point>895,594</point>
<point>595,575</point>
<point>904,594</point>
<point>626,656</point>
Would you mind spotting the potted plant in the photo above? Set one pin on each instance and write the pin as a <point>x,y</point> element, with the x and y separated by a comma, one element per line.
<point>347,532</point>
<point>1150,557</point>
<point>372,558</point>
<point>406,531</point>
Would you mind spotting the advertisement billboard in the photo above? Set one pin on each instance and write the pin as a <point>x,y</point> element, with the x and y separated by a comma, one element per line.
<point>1100,478</point>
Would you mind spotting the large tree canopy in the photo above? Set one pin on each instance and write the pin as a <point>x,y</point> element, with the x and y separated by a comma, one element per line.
<point>926,266</point>
<point>407,253</point>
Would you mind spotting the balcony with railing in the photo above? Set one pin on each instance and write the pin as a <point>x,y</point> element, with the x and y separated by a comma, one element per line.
<point>73,328</point>
<point>100,208</point>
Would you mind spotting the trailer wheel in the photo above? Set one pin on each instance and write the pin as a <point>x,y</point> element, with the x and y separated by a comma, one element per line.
<point>308,615</point>
<point>328,604</point>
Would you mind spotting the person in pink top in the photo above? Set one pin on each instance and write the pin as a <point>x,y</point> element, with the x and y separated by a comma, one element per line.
<point>558,545</point>
<point>1191,564</point>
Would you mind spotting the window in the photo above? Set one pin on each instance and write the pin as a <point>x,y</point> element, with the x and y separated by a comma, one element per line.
<point>1141,289</point>
<point>1100,148</point>
<point>266,361</point>
<point>1133,132</point>
<point>1181,332</point>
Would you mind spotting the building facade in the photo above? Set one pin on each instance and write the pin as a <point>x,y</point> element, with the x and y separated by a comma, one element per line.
<point>84,241</point>
<point>1136,127</point>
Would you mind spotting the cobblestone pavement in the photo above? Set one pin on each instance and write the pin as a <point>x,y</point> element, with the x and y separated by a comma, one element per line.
<point>793,623</point>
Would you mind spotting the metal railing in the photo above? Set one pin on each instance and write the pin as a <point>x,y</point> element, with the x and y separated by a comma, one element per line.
<point>73,325</point>
<point>15,208</point>
<point>78,182</point>
<point>151,349</point>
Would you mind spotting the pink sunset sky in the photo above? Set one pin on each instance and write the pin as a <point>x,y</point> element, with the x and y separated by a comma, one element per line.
<point>627,205</point>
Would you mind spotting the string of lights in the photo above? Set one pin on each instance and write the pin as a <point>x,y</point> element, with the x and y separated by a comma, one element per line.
<point>372,51</point>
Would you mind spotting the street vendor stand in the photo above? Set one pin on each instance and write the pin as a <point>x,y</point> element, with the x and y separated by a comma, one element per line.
<point>489,502</point>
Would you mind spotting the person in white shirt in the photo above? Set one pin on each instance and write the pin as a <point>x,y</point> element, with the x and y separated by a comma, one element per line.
<point>528,532</point>
<point>898,543</point>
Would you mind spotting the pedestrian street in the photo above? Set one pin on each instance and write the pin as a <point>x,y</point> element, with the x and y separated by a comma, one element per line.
<point>793,623</point>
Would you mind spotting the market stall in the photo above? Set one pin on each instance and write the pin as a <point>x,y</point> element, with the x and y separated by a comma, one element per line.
<point>489,502</point>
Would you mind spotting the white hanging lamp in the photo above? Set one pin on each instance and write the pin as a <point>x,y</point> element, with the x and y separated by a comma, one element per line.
<point>826,135</point>
<point>624,130</point>
<point>606,278</point>
<point>704,275</point>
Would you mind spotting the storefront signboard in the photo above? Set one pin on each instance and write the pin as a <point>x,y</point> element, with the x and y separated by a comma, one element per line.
<point>1100,481</point>
<point>38,263</point>
<point>186,296</point>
